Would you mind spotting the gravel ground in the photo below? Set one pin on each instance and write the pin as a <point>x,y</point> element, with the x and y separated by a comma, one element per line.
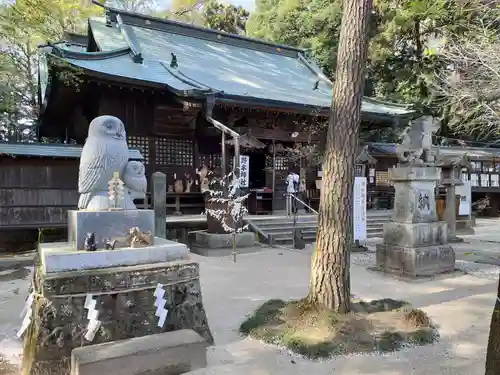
<point>460,304</point>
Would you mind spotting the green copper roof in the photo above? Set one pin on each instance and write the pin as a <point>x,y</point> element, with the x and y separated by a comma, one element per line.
<point>234,68</point>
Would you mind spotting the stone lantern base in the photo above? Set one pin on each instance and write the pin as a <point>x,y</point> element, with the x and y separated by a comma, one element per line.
<point>415,242</point>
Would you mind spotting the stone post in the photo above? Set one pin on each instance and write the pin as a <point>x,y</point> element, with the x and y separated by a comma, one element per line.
<point>450,213</point>
<point>159,200</point>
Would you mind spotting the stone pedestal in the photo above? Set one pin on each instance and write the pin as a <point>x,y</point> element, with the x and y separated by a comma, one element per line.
<point>60,257</point>
<point>215,244</point>
<point>121,281</point>
<point>415,242</point>
<point>465,225</point>
<point>125,303</point>
<point>107,225</point>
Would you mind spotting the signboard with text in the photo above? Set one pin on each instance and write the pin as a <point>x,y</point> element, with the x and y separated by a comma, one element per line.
<point>359,209</point>
<point>465,192</point>
<point>244,170</point>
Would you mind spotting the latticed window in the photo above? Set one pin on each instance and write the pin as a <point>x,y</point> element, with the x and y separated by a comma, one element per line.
<point>210,160</point>
<point>177,152</point>
<point>281,163</point>
<point>358,170</point>
<point>140,143</point>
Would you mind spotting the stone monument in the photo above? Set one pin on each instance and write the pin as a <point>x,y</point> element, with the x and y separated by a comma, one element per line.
<point>415,242</point>
<point>113,279</point>
<point>451,178</point>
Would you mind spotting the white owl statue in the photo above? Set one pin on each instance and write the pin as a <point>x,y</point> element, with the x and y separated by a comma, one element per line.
<point>105,152</point>
<point>134,178</point>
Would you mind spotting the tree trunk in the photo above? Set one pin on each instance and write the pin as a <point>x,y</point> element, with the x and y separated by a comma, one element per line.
<point>329,284</point>
<point>493,351</point>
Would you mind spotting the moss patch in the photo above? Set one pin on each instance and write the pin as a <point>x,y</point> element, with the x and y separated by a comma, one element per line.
<point>381,325</point>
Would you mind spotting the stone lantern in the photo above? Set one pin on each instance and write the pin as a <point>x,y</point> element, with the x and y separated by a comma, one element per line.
<point>451,176</point>
<point>415,241</point>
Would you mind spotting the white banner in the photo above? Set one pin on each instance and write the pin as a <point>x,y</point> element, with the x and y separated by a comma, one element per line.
<point>244,170</point>
<point>359,209</point>
<point>465,192</point>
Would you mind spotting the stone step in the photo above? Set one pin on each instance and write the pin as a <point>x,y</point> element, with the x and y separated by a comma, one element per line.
<point>281,228</point>
<point>279,232</point>
<point>287,240</point>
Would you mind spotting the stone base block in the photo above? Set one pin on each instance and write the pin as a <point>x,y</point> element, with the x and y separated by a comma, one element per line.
<point>170,353</point>
<point>465,226</point>
<point>107,225</point>
<point>206,252</point>
<point>416,234</point>
<point>60,257</point>
<point>125,303</point>
<point>415,262</point>
<point>224,241</point>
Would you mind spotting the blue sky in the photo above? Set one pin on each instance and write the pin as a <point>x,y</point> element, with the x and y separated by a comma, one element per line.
<point>247,4</point>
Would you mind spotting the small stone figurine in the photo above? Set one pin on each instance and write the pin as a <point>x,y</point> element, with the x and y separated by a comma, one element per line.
<point>140,239</point>
<point>110,244</point>
<point>189,182</point>
<point>90,244</point>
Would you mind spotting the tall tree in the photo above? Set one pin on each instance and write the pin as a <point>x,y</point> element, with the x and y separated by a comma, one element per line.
<point>330,277</point>
<point>468,83</point>
<point>209,13</point>
<point>224,17</point>
<point>23,25</point>
<point>493,351</point>
<point>313,25</point>
<point>136,6</point>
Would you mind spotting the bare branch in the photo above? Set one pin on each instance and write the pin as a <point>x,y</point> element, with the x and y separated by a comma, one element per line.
<point>470,81</point>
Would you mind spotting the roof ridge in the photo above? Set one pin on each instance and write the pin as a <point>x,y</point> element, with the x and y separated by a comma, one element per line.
<point>115,11</point>
<point>59,51</point>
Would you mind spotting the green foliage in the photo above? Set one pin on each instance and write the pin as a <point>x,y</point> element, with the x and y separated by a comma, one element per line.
<point>224,17</point>
<point>24,25</point>
<point>406,39</point>
<point>405,47</point>
<point>468,83</point>
<point>208,13</point>
<point>313,25</point>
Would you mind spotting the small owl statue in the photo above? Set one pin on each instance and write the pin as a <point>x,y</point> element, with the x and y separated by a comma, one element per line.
<point>134,178</point>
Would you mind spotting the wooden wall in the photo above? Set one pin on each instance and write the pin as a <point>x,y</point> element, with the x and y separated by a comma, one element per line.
<point>37,192</point>
<point>163,130</point>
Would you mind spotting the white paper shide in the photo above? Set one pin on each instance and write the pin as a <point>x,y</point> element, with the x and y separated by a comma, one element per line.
<point>93,317</point>
<point>26,315</point>
<point>160,301</point>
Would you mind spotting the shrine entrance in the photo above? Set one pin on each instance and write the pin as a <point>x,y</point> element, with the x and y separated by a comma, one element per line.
<point>257,169</point>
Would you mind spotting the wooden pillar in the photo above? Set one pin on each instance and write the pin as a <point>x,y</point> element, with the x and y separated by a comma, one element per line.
<point>159,199</point>
<point>450,212</point>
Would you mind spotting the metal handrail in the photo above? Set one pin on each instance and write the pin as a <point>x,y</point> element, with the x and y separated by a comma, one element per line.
<point>305,204</point>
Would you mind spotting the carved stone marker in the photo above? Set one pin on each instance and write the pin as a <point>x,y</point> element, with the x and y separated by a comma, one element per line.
<point>159,199</point>
<point>415,242</point>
